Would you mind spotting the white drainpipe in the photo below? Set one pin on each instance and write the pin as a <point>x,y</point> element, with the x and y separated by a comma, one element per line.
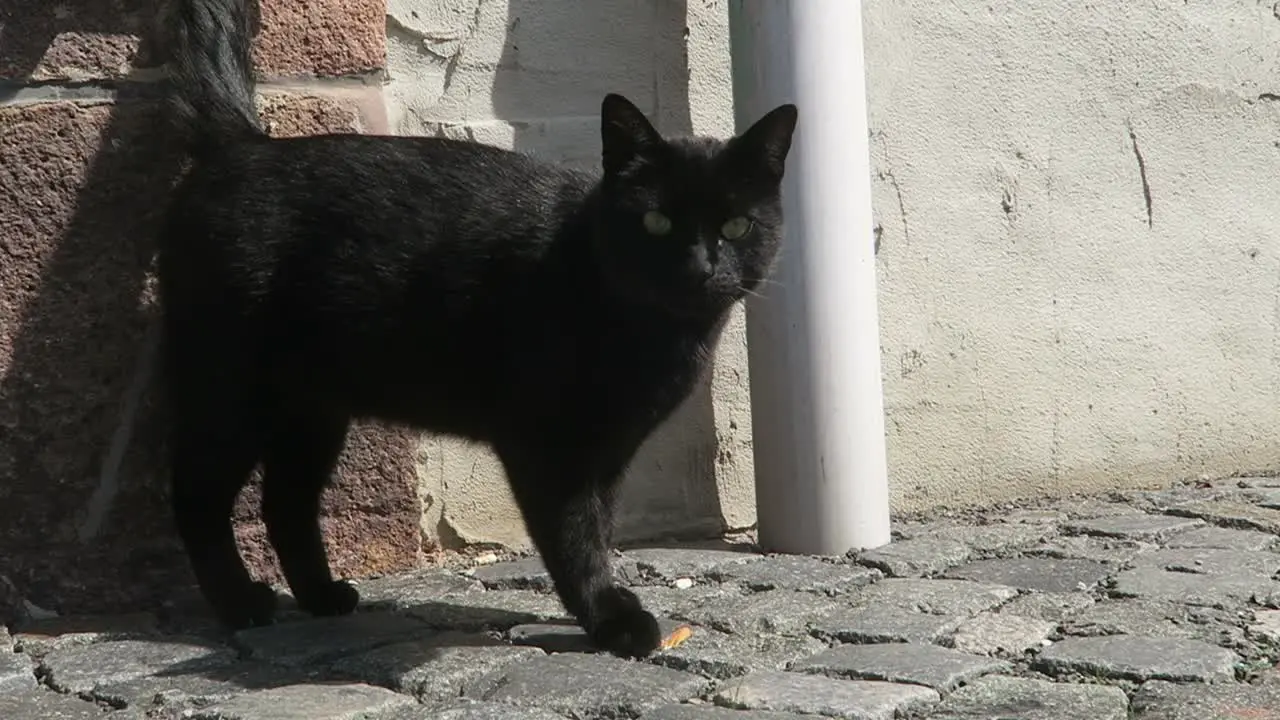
<point>814,342</point>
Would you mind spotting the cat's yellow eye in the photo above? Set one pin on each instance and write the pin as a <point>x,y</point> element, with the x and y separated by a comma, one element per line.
<point>735,228</point>
<point>655,223</point>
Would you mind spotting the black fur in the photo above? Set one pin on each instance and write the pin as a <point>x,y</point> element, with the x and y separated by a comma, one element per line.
<point>450,286</point>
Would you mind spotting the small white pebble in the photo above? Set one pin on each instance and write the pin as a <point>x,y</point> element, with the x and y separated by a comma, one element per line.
<point>1046,642</point>
<point>486,559</point>
<point>683,583</point>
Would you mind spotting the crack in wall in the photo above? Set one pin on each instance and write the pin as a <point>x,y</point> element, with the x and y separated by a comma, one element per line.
<point>1142,172</point>
<point>888,175</point>
<point>446,46</point>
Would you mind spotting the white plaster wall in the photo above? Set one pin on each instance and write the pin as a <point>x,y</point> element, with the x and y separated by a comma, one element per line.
<point>530,74</point>
<point>1042,331</point>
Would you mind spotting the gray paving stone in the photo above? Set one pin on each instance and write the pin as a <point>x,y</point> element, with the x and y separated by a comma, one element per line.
<point>1154,619</point>
<point>710,712</point>
<point>998,697</point>
<point>1047,606</point>
<point>314,702</point>
<point>1157,501</point>
<point>940,668</point>
<point>552,638</point>
<point>796,572</point>
<point>17,673</point>
<point>489,610</point>
<point>173,694</point>
<point>721,655</point>
<point>38,637</point>
<point>663,565</point>
<point>1134,527</point>
<point>1159,700</point>
<point>988,539</point>
<point>321,640</point>
<point>912,529</point>
<point>884,624</point>
<point>941,597</point>
<point>435,670</point>
<point>817,695</point>
<point>407,590</point>
<point>1264,497</point>
<point>916,557</point>
<point>665,600</point>
<point>780,612</point>
<point>1266,626</point>
<point>1000,634</point>
<point>85,668</point>
<point>1110,551</point>
<point>1044,574</point>
<point>1232,514</point>
<point>1211,561</point>
<point>1001,538</point>
<point>589,685</point>
<point>523,574</point>
<point>1028,517</point>
<point>45,704</point>
<point>1256,482</point>
<point>1196,589</point>
<point>1094,508</point>
<point>465,710</point>
<point>563,637</point>
<point>1134,657</point>
<point>1223,538</point>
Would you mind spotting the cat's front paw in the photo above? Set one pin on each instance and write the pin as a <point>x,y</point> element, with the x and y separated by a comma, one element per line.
<point>621,626</point>
<point>333,598</point>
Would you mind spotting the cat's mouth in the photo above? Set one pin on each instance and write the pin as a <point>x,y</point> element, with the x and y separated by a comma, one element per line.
<point>696,299</point>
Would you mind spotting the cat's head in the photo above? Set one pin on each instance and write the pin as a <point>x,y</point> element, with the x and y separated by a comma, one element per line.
<point>689,225</point>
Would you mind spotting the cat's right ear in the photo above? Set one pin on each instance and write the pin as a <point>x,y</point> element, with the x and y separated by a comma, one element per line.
<point>625,133</point>
<point>769,140</point>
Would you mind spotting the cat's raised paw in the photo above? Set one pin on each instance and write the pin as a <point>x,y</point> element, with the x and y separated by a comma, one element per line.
<point>622,626</point>
<point>335,598</point>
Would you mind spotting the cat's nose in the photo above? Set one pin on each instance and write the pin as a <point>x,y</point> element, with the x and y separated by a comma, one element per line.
<point>700,265</point>
<point>703,271</point>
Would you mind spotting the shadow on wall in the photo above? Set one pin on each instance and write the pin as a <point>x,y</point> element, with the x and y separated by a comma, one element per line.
<point>83,521</point>
<point>559,59</point>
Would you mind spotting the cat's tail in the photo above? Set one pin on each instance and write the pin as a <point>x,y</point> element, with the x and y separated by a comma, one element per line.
<point>211,67</point>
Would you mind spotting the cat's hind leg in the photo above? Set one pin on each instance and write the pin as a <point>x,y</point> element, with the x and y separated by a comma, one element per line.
<point>299,460</point>
<point>214,445</point>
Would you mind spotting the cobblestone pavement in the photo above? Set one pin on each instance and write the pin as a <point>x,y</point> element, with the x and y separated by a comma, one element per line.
<point>1149,605</point>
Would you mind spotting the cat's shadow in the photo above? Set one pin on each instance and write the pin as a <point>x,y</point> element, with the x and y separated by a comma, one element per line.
<point>84,187</point>
<point>418,662</point>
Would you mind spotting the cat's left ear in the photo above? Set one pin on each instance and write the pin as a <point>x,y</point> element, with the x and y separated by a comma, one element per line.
<point>625,133</point>
<point>769,140</point>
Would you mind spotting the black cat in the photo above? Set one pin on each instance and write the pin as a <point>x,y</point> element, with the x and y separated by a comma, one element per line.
<point>450,286</point>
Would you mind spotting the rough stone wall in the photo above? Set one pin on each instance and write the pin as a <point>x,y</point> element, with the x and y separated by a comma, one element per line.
<point>85,168</point>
